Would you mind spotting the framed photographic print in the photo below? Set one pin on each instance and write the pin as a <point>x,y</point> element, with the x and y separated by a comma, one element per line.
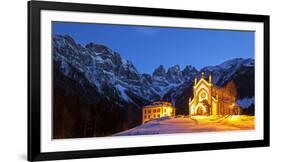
<point>115,80</point>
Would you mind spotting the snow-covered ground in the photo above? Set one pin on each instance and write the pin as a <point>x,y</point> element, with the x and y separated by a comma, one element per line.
<point>192,124</point>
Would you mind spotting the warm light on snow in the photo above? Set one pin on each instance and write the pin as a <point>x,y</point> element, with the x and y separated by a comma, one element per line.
<point>192,124</point>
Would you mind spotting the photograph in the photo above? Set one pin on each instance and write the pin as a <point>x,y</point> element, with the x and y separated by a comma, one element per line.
<point>111,80</point>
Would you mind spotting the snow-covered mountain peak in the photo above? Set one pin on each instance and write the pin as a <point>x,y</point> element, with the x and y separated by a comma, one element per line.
<point>108,72</point>
<point>189,68</point>
<point>174,74</point>
<point>249,62</point>
<point>63,41</point>
<point>160,71</point>
<point>174,69</point>
<point>99,48</point>
<point>237,61</point>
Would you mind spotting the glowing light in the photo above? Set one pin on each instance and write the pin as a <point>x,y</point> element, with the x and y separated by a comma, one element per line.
<point>211,100</point>
<point>157,110</point>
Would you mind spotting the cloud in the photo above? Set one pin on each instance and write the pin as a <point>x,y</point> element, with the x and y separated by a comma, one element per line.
<point>149,31</point>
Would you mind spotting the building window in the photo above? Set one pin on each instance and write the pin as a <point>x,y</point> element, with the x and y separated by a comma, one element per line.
<point>145,111</point>
<point>149,111</point>
<point>154,110</point>
<point>148,117</point>
<point>145,117</point>
<point>158,115</point>
<point>158,110</point>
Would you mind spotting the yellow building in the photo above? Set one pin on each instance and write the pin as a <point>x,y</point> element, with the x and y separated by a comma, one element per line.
<point>157,110</point>
<point>211,100</point>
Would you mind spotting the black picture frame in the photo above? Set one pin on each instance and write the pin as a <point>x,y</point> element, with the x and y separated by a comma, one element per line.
<point>34,83</point>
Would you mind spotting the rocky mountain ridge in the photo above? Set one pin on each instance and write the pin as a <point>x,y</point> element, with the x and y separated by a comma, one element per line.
<point>100,80</point>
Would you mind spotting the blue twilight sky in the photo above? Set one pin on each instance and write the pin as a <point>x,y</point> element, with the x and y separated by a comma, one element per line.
<point>148,47</point>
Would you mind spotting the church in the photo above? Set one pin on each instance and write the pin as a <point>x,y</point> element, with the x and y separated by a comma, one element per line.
<point>209,99</point>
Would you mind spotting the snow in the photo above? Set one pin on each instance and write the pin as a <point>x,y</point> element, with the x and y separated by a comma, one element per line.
<point>228,64</point>
<point>161,86</point>
<point>61,42</point>
<point>98,59</point>
<point>124,61</point>
<point>246,102</point>
<point>122,92</point>
<point>192,124</point>
<point>229,67</point>
<point>249,63</point>
<point>99,67</point>
<point>237,62</point>
<point>64,67</point>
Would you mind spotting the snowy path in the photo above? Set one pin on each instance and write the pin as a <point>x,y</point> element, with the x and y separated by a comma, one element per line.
<point>193,124</point>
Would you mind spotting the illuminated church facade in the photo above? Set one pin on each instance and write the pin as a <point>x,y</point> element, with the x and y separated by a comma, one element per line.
<point>209,99</point>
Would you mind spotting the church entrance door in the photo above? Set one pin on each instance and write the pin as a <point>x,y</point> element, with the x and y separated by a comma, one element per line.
<point>200,110</point>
